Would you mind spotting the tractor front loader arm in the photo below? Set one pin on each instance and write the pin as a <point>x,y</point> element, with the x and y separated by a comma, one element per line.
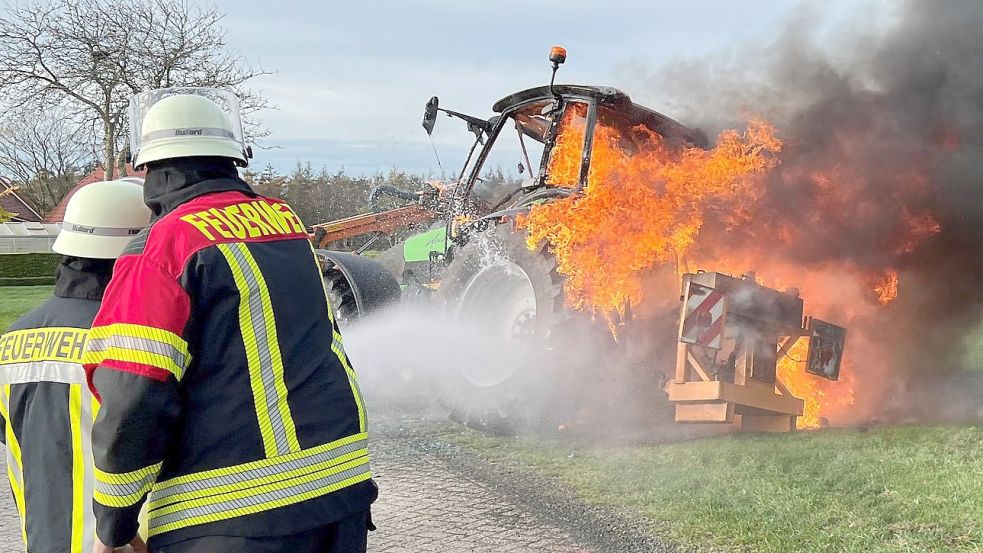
<point>369,223</point>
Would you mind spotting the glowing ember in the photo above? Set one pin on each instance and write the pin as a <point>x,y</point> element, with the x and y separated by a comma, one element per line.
<point>887,288</point>
<point>920,228</point>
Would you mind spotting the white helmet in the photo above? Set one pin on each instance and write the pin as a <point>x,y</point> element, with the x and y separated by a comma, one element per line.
<point>185,122</point>
<point>101,218</point>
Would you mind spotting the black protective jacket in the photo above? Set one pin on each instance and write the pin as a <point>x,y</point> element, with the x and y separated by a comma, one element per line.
<point>226,392</point>
<point>47,411</point>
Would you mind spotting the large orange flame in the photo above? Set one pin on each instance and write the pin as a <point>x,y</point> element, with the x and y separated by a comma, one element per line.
<point>647,204</point>
<point>644,206</point>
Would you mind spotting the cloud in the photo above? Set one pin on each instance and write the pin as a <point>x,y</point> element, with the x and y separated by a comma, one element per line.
<point>360,72</point>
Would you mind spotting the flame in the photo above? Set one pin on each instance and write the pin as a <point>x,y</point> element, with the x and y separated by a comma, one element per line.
<point>564,166</point>
<point>650,204</point>
<point>887,288</point>
<point>820,395</point>
<point>602,241</point>
<point>921,227</point>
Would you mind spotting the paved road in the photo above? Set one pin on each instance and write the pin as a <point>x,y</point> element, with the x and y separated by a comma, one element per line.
<point>428,504</point>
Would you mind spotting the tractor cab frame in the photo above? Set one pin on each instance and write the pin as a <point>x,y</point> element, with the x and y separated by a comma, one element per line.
<point>539,116</point>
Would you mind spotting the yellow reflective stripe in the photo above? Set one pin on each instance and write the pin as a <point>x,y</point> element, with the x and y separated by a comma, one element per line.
<point>15,488</point>
<point>140,331</point>
<point>263,358</point>
<point>320,274</point>
<point>12,442</point>
<point>265,471</point>
<point>173,503</point>
<point>95,407</point>
<point>337,346</point>
<point>235,504</point>
<point>15,471</point>
<point>132,477</point>
<point>138,344</point>
<point>256,486</point>
<point>252,352</point>
<point>78,466</point>
<point>124,489</point>
<point>237,492</point>
<point>18,492</point>
<point>134,356</point>
<point>252,465</point>
<point>273,343</point>
<point>121,500</point>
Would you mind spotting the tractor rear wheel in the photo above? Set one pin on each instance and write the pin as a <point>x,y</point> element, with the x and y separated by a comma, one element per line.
<point>356,285</point>
<point>544,353</point>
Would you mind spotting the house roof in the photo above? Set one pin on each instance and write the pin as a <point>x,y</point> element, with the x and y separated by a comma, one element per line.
<point>14,203</point>
<point>57,214</point>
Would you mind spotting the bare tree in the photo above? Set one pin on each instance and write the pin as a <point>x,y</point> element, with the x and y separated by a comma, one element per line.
<point>46,152</point>
<point>91,55</point>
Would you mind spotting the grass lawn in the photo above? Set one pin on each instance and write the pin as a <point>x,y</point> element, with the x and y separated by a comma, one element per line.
<point>17,300</point>
<point>886,489</point>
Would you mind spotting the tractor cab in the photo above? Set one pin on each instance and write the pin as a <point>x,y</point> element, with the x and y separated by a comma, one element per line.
<point>542,138</point>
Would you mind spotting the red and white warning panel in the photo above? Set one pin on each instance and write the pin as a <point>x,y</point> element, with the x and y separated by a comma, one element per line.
<point>704,316</point>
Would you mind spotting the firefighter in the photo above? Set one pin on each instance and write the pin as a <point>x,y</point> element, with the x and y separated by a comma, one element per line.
<point>47,410</point>
<point>228,403</point>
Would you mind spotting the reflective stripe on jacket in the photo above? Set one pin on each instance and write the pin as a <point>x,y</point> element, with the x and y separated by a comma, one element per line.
<point>226,392</point>
<point>47,419</point>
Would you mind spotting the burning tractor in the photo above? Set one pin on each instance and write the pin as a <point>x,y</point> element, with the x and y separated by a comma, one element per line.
<point>710,359</point>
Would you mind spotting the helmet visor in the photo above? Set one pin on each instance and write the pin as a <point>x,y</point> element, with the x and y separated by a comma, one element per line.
<point>141,103</point>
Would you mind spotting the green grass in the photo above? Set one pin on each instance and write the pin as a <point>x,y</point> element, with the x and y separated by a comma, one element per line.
<point>888,489</point>
<point>17,300</point>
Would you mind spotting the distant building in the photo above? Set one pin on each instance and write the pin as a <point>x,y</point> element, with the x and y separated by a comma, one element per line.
<point>13,202</point>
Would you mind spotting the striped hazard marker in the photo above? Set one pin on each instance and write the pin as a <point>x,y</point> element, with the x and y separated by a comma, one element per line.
<point>703,322</point>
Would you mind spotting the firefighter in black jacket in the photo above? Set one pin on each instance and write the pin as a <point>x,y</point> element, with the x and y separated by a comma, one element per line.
<point>47,409</point>
<point>227,396</point>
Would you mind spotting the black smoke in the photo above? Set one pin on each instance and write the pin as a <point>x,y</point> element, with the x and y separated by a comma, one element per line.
<point>881,115</point>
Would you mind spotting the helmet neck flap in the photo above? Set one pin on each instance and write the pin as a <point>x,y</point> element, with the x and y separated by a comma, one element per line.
<point>83,278</point>
<point>172,182</point>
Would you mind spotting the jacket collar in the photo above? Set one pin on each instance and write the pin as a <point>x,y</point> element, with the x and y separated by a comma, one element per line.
<point>83,278</point>
<point>172,182</point>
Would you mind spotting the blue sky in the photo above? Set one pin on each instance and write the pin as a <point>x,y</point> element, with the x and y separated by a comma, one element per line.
<point>352,77</point>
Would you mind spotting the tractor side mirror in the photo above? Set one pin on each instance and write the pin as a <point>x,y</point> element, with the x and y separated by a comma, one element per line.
<point>430,115</point>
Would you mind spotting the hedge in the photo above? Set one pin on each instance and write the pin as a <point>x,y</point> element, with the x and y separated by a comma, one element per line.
<point>28,269</point>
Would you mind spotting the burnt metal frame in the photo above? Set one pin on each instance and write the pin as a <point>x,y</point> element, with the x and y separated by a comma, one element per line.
<point>548,143</point>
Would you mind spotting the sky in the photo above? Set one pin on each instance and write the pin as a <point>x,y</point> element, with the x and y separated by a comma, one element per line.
<point>351,78</point>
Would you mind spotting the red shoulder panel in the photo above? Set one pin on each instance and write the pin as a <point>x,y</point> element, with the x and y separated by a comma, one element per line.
<point>217,219</point>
